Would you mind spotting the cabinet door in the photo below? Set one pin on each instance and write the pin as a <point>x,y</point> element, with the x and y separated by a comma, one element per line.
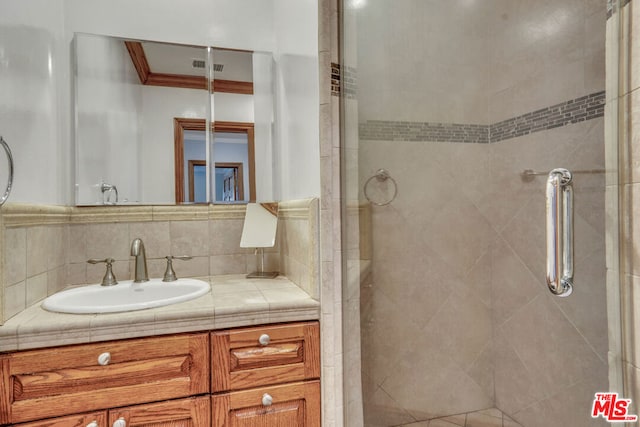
<point>264,355</point>
<point>39,384</point>
<point>191,412</point>
<point>95,419</point>
<point>289,405</point>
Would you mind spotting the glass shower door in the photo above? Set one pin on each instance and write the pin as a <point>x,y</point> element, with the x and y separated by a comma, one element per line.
<point>466,106</point>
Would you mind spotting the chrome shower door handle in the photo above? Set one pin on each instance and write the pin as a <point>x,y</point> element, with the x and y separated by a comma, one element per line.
<point>560,232</point>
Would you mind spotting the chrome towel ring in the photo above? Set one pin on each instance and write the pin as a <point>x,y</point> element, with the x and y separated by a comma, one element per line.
<point>10,182</point>
<point>381,176</point>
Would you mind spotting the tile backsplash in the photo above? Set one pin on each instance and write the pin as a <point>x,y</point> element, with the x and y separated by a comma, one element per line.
<point>46,248</point>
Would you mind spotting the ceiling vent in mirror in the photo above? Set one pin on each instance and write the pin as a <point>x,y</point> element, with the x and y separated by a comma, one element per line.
<point>197,63</point>
<point>200,63</point>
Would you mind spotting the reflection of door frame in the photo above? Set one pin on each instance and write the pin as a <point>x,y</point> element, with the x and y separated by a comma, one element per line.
<point>182,124</point>
<point>192,164</point>
<point>239,173</point>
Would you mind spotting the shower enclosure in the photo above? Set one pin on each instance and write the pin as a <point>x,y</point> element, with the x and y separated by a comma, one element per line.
<point>454,113</point>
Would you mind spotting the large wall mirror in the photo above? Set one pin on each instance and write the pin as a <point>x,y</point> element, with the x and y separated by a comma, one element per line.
<point>162,123</point>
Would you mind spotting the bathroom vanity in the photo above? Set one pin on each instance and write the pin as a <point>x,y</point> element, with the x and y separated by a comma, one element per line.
<point>215,371</point>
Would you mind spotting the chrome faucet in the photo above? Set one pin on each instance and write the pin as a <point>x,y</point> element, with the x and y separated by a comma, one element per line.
<point>137,250</point>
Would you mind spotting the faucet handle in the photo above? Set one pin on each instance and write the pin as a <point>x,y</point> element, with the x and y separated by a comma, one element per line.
<point>109,279</point>
<point>169,274</point>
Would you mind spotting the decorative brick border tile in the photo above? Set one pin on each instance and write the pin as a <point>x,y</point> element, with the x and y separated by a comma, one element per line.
<point>423,131</point>
<point>576,110</point>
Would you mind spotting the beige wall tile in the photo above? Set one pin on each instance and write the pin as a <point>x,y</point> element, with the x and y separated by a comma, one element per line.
<point>634,47</point>
<point>108,241</point>
<point>15,255</point>
<point>37,288</point>
<point>190,238</point>
<point>77,243</point>
<point>38,246</point>
<point>479,419</point>
<point>76,273</point>
<point>227,264</point>
<point>540,332</point>
<point>630,294</point>
<point>154,235</point>
<point>58,235</point>
<point>633,102</point>
<point>56,280</point>
<point>224,237</point>
<point>516,387</point>
<point>14,299</point>
<point>632,390</point>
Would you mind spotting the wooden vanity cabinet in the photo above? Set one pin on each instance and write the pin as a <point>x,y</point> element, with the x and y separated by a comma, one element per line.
<point>286,405</point>
<point>192,412</point>
<point>95,419</point>
<point>264,355</point>
<point>266,376</point>
<point>74,379</point>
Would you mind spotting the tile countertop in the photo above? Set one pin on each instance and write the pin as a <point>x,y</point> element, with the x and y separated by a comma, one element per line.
<point>234,301</point>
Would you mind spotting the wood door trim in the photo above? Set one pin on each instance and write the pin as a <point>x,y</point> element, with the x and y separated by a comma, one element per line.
<point>182,124</point>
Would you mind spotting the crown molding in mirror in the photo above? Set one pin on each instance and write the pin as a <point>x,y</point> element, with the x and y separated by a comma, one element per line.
<point>148,77</point>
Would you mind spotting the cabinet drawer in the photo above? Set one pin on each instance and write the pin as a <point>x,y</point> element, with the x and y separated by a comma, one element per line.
<point>190,412</point>
<point>252,357</point>
<point>295,404</point>
<point>46,383</point>
<point>96,419</point>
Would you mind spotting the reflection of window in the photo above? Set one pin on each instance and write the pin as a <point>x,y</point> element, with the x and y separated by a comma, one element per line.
<point>229,182</point>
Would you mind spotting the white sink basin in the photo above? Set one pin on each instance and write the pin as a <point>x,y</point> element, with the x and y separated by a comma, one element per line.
<point>125,296</point>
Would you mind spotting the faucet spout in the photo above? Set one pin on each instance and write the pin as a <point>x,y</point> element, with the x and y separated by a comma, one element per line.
<point>137,250</point>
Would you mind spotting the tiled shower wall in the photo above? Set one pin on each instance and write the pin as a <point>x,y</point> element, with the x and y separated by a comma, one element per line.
<point>46,247</point>
<point>628,101</point>
<point>455,314</point>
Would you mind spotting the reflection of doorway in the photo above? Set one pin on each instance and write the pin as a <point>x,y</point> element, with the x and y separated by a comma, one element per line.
<point>182,124</point>
<point>197,181</point>
<point>229,182</point>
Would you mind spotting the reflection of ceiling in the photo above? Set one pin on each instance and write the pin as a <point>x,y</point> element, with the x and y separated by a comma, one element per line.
<point>176,59</point>
<point>164,64</point>
<point>225,137</point>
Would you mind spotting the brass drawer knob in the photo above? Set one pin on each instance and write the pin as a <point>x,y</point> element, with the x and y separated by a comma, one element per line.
<point>264,339</point>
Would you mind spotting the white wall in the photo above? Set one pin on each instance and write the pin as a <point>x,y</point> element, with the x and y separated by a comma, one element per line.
<point>109,108</point>
<point>32,114</point>
<point>297,161</point>
<point>40,92</point>
<point>242,24</point>
<point>161,105</point>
